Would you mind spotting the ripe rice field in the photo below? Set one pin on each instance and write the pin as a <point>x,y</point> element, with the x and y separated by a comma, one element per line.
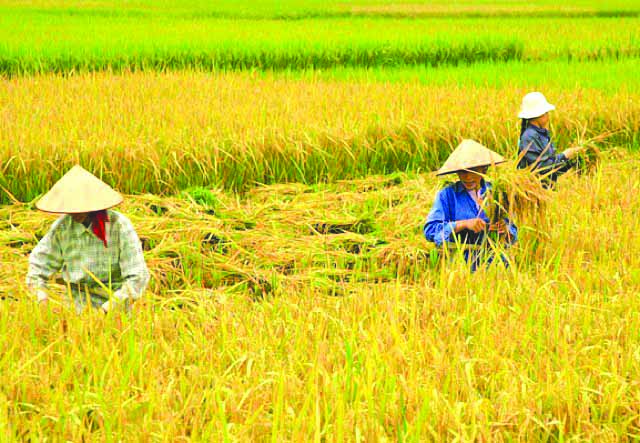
<point>237,130</point>
<point>276,159</point>
<point>319,312</point>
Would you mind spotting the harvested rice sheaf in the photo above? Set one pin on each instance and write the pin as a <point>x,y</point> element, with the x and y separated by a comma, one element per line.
<point>588,160</point>
<point>515,193</point>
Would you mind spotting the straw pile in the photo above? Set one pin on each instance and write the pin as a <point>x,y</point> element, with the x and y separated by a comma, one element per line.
<point>275,239</point>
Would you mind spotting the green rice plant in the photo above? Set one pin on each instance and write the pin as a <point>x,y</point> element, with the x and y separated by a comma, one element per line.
<point>301,9</point>
<point>68,40</point>
<point>202,196</point>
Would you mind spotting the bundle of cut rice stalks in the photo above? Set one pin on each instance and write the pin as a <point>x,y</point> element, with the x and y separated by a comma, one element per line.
<point>588,160</point>
<point>514,193</point>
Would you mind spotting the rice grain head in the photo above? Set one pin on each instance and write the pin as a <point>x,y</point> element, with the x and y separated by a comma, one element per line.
<point>514,193</point>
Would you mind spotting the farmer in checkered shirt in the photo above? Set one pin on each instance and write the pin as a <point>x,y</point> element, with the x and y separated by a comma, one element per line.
<point>95,249</point>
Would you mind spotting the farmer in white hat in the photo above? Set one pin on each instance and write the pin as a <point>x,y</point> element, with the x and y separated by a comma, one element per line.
<point>537,151</point>
<point>96,249</point>
<point>457,218</point>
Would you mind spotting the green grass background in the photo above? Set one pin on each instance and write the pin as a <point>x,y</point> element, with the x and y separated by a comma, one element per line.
<point>51,36</point>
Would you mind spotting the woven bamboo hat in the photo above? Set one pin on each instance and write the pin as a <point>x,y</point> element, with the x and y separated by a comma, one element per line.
<point>534,104</point>
<point>79,191</point>
<point>469,154</point>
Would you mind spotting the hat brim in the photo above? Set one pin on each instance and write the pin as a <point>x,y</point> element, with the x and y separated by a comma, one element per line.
<point>78,192</point>
<point>537,112</point>
<point>76,210</point>
<point>441,172</point>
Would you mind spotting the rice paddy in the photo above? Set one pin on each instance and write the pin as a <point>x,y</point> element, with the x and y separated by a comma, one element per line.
<point>276,159</point>
<point>41,40</point>
<point>237,130</point>
<point>319,310</point>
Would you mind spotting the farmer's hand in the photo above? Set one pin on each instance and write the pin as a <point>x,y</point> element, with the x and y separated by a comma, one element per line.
<point>499,227</point>
<point>41,296</point>
<point>115,303</point>
<point>106,306</point>
<point>473,224</point>
<point>572,152</point>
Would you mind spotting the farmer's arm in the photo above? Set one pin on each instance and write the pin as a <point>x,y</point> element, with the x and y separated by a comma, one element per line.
<point>132,265</point>
<point>438,228</point>
<point>507,229</point>
<point>44,261</point>
<point>512,231</point>
<point>540,156</point>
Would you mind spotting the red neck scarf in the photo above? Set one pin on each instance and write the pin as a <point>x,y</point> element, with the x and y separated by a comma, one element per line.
<point>98,220</point>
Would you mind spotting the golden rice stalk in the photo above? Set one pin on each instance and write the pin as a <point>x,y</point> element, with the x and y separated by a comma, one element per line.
<point>514,193</point>
<point>588,160</point>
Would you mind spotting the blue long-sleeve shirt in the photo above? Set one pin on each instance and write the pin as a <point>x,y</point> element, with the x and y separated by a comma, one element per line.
<point>541,153</point>
<point>454,203</point>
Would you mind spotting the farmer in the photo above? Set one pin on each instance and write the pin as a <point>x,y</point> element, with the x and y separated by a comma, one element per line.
<point>96,250</point>
<point>457,219</point>
<point>537,151</point>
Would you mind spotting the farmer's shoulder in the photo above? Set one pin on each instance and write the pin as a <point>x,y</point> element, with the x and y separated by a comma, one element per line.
<point>530,137</point>
<point>60,230</point>
<point>119,220</point>
<point>530,133</point>
<point>62,224</point>
<point>448,192</point>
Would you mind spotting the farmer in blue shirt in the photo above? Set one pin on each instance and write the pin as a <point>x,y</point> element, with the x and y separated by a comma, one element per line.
<point>537,151</point>
<point>457,219</point>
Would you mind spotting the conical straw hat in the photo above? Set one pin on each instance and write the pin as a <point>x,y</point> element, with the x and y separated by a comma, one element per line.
<point>79,191</point>
<point>469,154</point>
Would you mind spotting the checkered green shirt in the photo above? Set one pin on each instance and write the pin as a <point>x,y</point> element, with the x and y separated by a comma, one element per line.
<point>73,250</point>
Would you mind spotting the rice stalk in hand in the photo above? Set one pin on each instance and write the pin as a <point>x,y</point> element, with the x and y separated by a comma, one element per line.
<point>588,160</point>
<point>514,193</point>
